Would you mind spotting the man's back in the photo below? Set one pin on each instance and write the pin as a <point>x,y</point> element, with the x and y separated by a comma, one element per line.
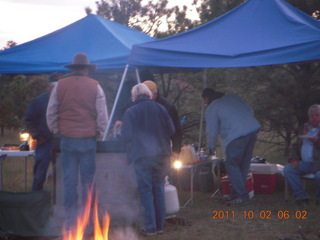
<point>177,137</point>
<point>77,114</point>
<point>232,117</point>
<point>148,126</point>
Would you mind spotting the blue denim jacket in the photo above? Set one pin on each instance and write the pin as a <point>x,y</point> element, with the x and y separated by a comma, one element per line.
<point>35,117</point>
<point>147,129</point>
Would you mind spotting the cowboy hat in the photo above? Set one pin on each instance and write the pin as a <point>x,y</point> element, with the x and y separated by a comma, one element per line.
<point>80,60</point>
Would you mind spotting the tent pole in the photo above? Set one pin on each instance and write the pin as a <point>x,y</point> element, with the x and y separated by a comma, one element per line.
<point>138,75</point>
<point>115,102</point>
<point>204,85</point>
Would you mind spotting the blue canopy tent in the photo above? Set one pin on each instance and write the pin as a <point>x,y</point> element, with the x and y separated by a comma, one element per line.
<point>256,33</point>
<point>107,44</point>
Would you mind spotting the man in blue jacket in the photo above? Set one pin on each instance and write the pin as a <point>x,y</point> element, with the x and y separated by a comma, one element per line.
<point>36,123</point>
<point>147,129</point>
<point>233,119</point>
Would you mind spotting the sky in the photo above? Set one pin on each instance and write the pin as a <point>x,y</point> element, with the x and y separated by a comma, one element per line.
<point>24,20</point>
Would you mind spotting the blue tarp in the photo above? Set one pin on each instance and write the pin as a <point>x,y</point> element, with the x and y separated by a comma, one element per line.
<point>258,32</point>
<point>107,44</point>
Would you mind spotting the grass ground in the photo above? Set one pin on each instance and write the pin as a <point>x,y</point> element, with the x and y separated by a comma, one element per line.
<point>266,217</point>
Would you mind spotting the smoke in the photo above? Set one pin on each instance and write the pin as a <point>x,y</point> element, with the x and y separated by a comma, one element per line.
<point>123,234</point>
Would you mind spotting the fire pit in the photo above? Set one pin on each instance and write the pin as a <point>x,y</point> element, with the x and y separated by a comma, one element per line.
<point>116,190</point>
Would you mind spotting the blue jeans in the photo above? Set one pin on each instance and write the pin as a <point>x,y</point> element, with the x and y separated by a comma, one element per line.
<point>77,153</point>
<point>150,174</point>
<point>293,177</point>
<point>41,165</point>
<point>238,159</point>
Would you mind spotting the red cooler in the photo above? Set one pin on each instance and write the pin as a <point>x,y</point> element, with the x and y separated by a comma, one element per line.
<point>264,177</point>
<point>225,185</point>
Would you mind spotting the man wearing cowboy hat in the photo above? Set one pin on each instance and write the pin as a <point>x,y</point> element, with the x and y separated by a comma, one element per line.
<point>77,112</point>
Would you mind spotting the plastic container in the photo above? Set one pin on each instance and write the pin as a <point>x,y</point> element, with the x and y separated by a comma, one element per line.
<point>225,185</point>
<point>32,144</point>
<point>265,177</point>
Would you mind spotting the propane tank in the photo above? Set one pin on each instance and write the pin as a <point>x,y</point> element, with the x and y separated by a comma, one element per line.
<point>171,199</point>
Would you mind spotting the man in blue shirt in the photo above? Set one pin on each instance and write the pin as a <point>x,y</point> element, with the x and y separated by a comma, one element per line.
<point>36,123</point>
<point>233,119</point>
<point>304,157</point>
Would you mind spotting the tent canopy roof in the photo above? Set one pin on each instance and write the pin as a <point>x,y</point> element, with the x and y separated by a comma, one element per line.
<point>258,32</point>
<point>107,44</point>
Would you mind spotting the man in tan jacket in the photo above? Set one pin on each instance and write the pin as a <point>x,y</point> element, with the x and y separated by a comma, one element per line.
<point>77,112</point>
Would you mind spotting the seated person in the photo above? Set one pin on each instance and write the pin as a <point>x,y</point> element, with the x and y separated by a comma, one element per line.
<point>304,157</point>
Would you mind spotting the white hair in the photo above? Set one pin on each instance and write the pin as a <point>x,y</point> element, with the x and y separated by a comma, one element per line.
<point>140,90</point>
<point>313,108</point>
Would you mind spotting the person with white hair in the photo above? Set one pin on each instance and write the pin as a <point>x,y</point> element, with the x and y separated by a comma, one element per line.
<point>304,157</point>
<point>146,130</point>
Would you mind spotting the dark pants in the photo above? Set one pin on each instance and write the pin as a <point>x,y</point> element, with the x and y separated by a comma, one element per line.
<point>43,155</point>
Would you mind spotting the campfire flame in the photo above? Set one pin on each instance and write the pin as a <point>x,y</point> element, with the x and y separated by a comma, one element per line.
<point>100,234</point>
<point>77,232</point>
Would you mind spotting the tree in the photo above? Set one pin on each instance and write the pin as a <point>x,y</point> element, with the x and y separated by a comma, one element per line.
<point>15,97</point>
<point>13,100</point>
<point>181,23</point>
<point>184,90</point>
<point>310,7</point>
<point>284,96</point>
<point>211,9</point>
<point>153,18</point>
<point>6,120</point>
<point>10,44</point>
